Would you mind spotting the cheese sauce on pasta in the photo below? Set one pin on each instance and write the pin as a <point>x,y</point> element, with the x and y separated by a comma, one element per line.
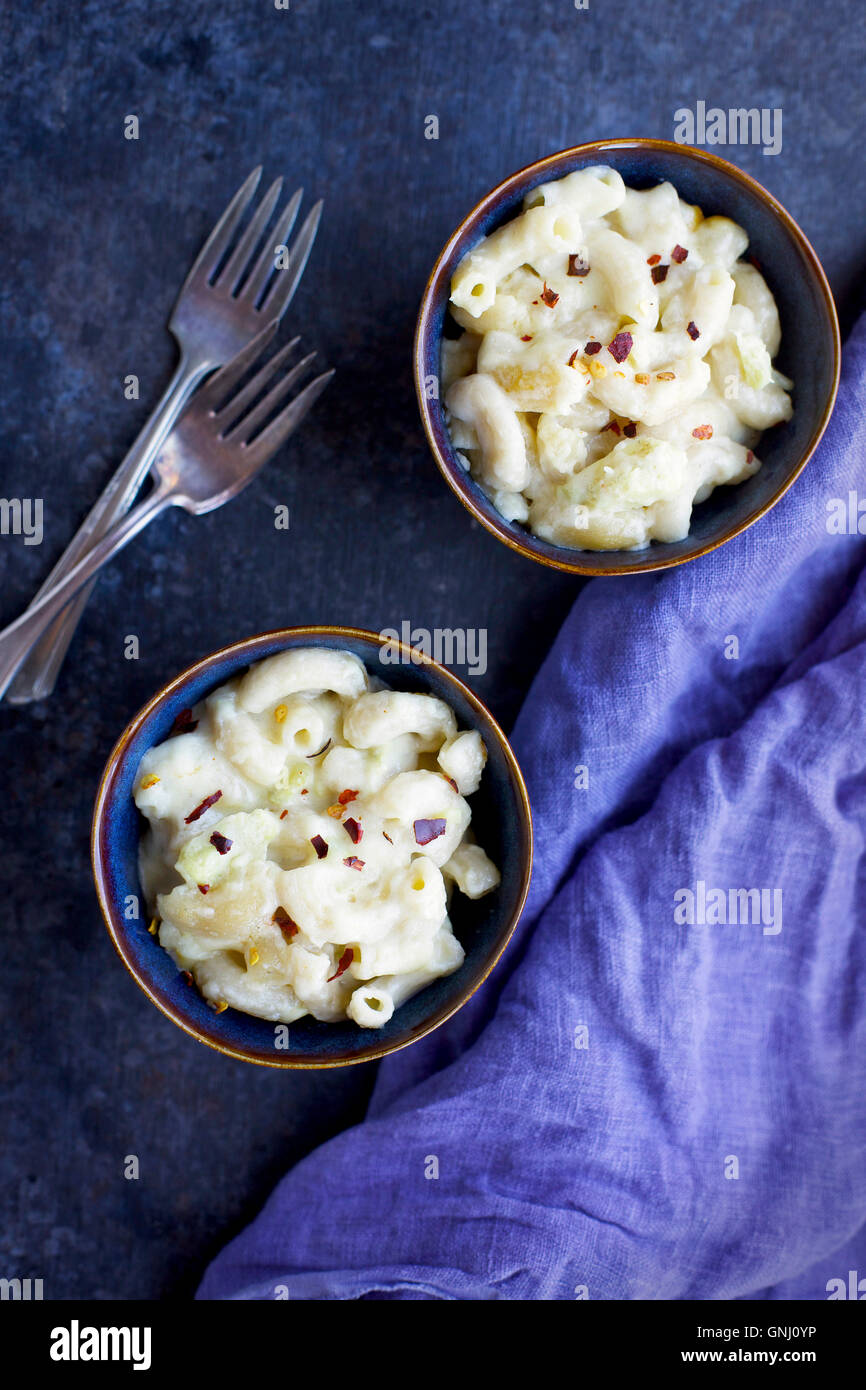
<point>615,364</point>
<point>306,829</point>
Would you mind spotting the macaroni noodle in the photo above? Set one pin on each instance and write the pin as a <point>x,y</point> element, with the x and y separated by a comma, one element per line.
<point>306,829</point>
<point>615,364</point>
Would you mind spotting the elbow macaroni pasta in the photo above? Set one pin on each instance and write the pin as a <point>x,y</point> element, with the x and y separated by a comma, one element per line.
<point>305,836</point>
<point>615,364</point>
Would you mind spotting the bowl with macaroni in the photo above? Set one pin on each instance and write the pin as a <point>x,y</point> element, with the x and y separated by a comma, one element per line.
<point>312,847</point>
<point>624,356</point>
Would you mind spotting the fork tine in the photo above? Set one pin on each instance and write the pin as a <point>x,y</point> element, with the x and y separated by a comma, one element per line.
<point>237,263</point>
<point>248,425</point>
<point>258,276</point>
<point>285,283</point>
<point>217,387</point>
<point>288,420</point>
<point>262,376</point>
<point>215,247</point>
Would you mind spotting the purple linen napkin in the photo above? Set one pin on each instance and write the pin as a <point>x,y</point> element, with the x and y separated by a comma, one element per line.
<point>644,1101</point>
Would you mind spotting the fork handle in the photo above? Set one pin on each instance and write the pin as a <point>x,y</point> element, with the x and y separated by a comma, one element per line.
<point>18,639</point>
<point>39,672</point>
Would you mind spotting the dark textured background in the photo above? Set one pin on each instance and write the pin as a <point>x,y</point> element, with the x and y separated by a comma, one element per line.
<point>97,233</point>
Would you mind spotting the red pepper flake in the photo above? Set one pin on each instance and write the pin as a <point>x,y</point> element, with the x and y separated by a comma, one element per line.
<point>353,829</point>
<point>630,430</point>
<point>577,265</point>
<point>451,782</point>
<point>753,260</point>
<point>282,920</point>
<point>549,296</point>
<point>353,862</point>
<point>387,837</point>
<point>320,846</point>
<point>203,887</point>
<point>186,976</point>
<point>653,260</point>
<point>749,456</point>
<point>703,432</point>
<point>321,750</point>
<point>183,724</point>
<point>679,254</point>
<point>345,797</point>
<point>592,348</point>
<point>526,338</point>
<point>220,843</point>
<point>659,273</point>
<point>621,346</point>
<point>573,358</point>
<point>611,425</point>
<point>428,830</point>
<point>345,961</point>
<point>693,331</point>
<point>305,791</point>
<point>202,807</point>
<point>283,814</point>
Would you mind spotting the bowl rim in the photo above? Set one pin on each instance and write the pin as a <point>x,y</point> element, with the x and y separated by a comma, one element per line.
<point>583,564</point>
<point>102,805</point>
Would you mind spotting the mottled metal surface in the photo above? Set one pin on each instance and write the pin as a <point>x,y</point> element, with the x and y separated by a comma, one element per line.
<point>97,232</point>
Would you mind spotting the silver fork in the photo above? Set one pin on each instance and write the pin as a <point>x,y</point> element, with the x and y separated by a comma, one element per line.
<point>217,446</point>
<point>211,323</point>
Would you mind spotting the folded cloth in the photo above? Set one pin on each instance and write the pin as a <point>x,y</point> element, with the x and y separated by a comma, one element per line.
<point>651,1097</point>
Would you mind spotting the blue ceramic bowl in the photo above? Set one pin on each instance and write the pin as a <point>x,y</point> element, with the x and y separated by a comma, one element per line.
<point>810,351</point>
<point>500,815</point>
